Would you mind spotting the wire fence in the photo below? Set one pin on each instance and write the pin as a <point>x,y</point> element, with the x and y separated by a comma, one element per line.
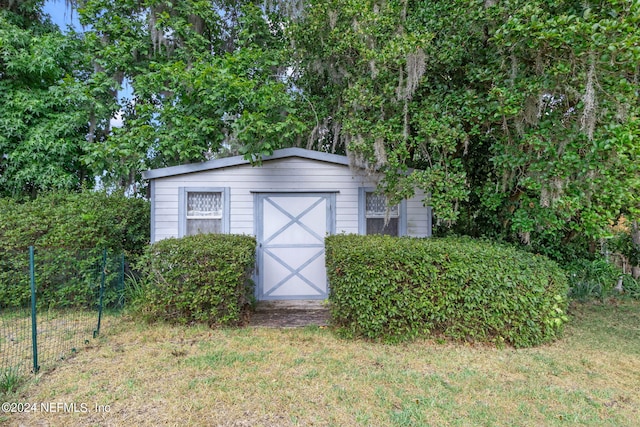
<point>51,304</point>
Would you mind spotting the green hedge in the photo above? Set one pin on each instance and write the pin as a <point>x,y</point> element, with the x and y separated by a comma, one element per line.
<point>204,278</point>
<point>64,278</point>
<point>399,288</point>
<point>76,221</point>
<point>70,232</point>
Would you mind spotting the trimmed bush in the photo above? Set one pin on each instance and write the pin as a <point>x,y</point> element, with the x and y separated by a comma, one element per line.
<point>76,221</point>
<point>70,232</point>
<point>400,288</point>
<point>204,278</point>
<point>64,278</point>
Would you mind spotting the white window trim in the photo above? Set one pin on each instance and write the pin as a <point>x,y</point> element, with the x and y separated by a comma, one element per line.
<point>362,212</point>
<point>182,208</point>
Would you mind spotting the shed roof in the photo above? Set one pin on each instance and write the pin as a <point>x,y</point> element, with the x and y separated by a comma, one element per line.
<point>240,160</point>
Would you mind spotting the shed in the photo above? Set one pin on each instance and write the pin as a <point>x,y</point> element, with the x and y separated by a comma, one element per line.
<point>289,203</point>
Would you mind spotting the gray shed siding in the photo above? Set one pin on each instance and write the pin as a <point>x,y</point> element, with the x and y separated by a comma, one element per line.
<point>294,173</point>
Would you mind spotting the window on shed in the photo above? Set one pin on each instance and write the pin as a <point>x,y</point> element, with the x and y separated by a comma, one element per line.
<point>380,218</point>
<point>204,212</point>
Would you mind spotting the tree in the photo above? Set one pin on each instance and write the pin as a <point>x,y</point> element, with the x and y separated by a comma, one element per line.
<point>45,104</point>
<point>364,65</point>
<point>522,116</point>
<point>519,119</point>
<point>208,78</point>
<point>567,92</point>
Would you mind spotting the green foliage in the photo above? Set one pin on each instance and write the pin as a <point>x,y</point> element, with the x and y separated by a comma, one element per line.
<point>622,243</point>
<point>208,79</point>
<point>598,279</point>
<point>70,232</point>
<point>10,380</point>
<point>133,290</point>
<point>591,278</point>
<point>379,94</point>
<point>76,221</point>
<point>566,97</point>
<point>398,288</point>
<point>48,102</point>
<point>64,278</point>
<point>204,278</point>
<point>520,117</point>
<point>631,286</point>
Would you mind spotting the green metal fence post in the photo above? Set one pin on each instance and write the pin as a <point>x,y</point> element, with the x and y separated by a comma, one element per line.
<point>34,325</point>
<point>102,280</point>
<point>121,279</point>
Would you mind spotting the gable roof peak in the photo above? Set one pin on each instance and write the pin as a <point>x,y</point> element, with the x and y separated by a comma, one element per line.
<point>240,160</point>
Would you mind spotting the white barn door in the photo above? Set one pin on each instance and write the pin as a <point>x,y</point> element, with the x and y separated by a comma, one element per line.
<point>291,228</point>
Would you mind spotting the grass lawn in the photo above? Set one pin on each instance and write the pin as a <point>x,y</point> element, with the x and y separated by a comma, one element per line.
<point>60,334</point>
<point>161,375</point>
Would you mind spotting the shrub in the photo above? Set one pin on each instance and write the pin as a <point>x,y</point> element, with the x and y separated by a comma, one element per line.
<point>598,279</point>
<point>399,288</point>
<point>64,278</point>
<point>631,286</point>
<point>70,232</point>
<point>76,221</point>
<point>622,242</point>
<point>204,278</point>
<point>591,278</point>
